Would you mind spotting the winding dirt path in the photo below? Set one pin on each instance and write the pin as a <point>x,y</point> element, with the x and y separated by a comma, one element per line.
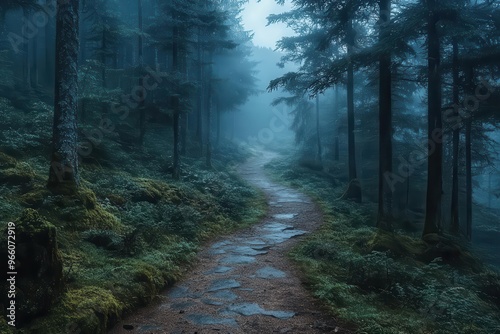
<point>245,283</point>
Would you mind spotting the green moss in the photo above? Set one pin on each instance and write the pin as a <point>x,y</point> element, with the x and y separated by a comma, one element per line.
<point>398,245</point>
<point>89,310</point>
<point>80,211</point>
<point>4,327</point>
<point>154,190</point>
<point>116,199</point>
<point>18,176</point>
<point>384,282</point>
<point>34,199</point>
<point>6,161</point>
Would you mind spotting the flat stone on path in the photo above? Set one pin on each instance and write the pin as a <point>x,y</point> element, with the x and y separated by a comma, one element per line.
<point>284,216</point>
<point>205,319</point>
<point>270,272</point>
<point>225,295</point>
<point>218,270</point>
<point>237,259</point>
<point>223,284</point>
<point>245,283</point>
<point>248,309</point>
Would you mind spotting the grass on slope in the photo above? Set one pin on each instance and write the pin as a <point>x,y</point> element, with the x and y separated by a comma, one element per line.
<point>131,230</point>
<point>386,283</point>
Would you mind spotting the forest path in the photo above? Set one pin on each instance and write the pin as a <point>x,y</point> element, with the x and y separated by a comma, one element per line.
<point>245,283</point>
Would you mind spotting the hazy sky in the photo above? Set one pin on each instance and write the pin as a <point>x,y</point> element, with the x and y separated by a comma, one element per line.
<point>255,18</point>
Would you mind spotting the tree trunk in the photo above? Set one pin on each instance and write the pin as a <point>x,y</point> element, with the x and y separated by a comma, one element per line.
<point>199,104</point>
<point>454,222</point>
<point>49,46</point>
<point>468,159</point>
<point>82,56</point>
<point>26,55</point>
<point>64,161</point>
<point>34,63</point>
<point>175,104</point>
<point>385,122</point>
<point>103,59</point>
<point>184,116</point>
<point>219,115</point>
<point>337,144</point>
<point>318,135</point>
<point>142,109</point>
<point>468,177</point>
<point>435,150</point>
<point>184,131</point>
<point>176,158</point>
<point>209,112</point>
<point>354,191</point>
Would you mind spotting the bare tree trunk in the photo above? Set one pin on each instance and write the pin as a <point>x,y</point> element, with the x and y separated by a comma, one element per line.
<point>175,104</point>
<point>184,115</point>
<point>142,109</point>
<point>318,135</point>
<point>354,189</point>
<point>199,105</point>
<point>337,144</point>
<point>26,55</point>
<point>468,159</point>
<point>49,56</point>
<point>385,122</point>
<point>455,223</point>
<point>176,159</point>
<point>435,153</point>
<point>217,105</point>
<point>209,112</point>
<point>103,59</point>
<point>64,162</point>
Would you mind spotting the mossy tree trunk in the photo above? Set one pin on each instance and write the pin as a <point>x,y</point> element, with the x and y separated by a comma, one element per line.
<point>64,161</point>
<point>435,150</point>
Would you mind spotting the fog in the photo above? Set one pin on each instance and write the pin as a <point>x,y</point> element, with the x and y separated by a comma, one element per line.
<point>129,126</point>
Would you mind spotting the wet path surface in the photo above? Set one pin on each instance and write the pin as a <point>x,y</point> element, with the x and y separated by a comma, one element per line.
<point>244,283</point>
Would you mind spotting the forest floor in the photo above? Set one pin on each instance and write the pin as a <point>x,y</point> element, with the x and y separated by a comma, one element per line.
<point>245,282</point>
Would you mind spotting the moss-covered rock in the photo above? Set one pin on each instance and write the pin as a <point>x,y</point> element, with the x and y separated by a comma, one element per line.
<point>153,191</point>
<point>21,175</point>
<point>34,199</point>
<point>39,280</point>
<point>80,211</point>
<point>86,310</point>
<point>398,245</point>
<point>6,161</point>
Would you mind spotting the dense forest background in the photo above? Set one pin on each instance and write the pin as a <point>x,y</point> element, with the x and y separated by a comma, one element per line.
<point>122,122</point>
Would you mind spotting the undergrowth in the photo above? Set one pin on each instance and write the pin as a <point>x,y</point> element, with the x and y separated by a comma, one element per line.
<point>385,282</point>
<point>131,230</point>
